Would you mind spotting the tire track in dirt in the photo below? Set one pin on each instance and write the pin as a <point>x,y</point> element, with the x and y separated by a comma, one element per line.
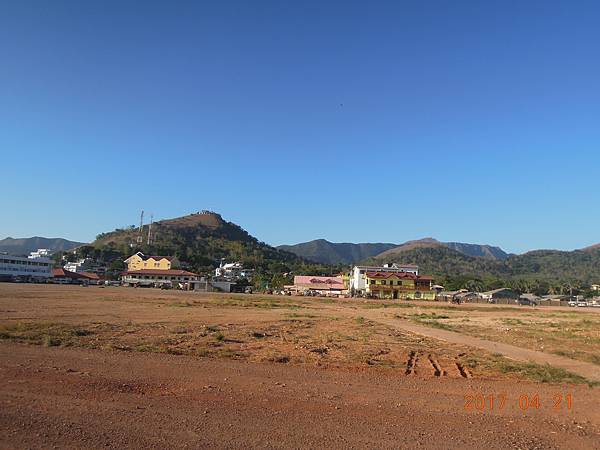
<point>584,369</point>
<point>438,371</point>
<point>411,363</point>
<point>464,372</point>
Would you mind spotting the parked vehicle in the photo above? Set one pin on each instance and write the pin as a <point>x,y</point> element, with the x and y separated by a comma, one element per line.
<point>526,302</point>
<point>582,303</point>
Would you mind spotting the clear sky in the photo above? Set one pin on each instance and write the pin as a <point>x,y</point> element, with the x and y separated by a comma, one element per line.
<point>364,121</point>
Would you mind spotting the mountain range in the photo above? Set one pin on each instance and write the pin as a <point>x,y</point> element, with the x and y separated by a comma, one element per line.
<point>326,252</point>
<point>201,240</point>
<point>24,246</point>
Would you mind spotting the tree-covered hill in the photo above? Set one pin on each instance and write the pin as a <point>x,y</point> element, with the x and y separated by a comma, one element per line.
<point>200,241</point>
<point>542,271</point>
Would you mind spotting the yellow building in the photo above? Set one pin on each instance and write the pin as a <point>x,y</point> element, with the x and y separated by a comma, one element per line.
<point>399,286</point>
<point>139,261</point>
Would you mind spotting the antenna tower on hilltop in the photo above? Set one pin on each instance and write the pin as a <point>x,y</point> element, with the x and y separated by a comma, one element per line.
<point>150,228</point>
<point>140,237</point>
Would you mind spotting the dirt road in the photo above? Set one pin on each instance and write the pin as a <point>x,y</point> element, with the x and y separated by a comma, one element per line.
<point>78,398</point>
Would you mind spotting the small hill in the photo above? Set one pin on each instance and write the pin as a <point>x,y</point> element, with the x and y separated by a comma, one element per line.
<point>326,252</point>
<point>199,240</point>
<point>24,246</point>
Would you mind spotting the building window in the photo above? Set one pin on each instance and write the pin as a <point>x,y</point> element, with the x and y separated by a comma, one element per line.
<point>371,281</point>
<point>382,281</point>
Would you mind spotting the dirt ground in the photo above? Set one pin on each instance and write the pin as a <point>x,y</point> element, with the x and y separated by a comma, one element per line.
<point>120,367</point>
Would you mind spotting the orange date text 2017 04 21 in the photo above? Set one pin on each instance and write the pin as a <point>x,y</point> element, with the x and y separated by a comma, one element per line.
<point>526,402</point>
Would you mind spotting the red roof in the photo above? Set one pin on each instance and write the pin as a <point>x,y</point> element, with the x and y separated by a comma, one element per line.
<point>155,257</point>
<point>170,272</point>
<point>410,275</point>
<point>62,273</point>
<point>90,275</point>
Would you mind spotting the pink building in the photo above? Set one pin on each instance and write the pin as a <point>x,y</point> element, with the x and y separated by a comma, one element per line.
<point>322,285</point>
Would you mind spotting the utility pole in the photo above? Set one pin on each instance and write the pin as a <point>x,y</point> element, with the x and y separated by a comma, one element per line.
<point>140,238</point>
<point>150,228</point>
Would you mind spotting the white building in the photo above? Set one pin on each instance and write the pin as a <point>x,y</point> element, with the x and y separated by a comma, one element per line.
<point>41,253</point>
<point>83,265</point>
<point>25,268</point>
<point>358,280</point>
<point>232,271</point>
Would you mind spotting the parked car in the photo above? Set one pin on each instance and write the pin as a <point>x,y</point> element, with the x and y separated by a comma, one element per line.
<point>581,303</point>
<point>572,303</point>
<point>526,302</point>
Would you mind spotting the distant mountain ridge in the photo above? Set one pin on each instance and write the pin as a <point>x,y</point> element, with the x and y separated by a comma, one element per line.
<point>483,251</point>
<point>326,252</point>
<point>24,246</point>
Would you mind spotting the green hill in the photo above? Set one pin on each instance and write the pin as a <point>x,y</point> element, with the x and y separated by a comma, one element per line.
<point>200,241</point>
<point>541,271</point>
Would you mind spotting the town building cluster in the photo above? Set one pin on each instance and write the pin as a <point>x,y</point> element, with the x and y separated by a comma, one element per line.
<point>388,281</point>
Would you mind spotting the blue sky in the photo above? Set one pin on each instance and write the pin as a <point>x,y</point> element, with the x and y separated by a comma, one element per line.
<point>350,121</point>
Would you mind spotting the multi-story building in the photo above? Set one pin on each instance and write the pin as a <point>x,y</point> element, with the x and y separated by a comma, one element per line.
<point>82,265</point>
<point>41,253</point>
<point>139,261</point>
<point>399,285</point>
<point>358,279</point>
<point>21,267</point>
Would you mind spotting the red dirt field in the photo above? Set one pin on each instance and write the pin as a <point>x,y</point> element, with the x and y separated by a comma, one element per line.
<point>117,386</point>
<point>88,399</point>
